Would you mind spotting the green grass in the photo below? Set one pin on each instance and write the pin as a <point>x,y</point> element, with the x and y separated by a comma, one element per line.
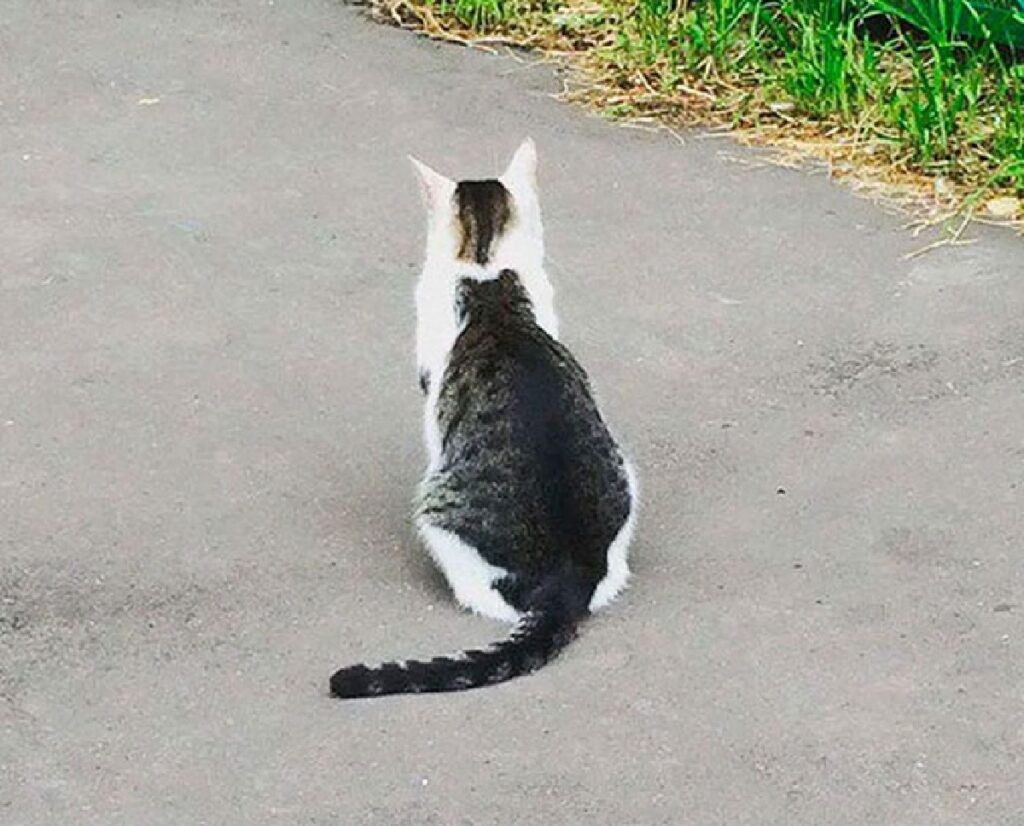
<point>943,103</point>
<point>930,84</point>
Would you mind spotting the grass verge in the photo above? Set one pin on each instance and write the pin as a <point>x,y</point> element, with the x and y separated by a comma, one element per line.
<point>919,103</point>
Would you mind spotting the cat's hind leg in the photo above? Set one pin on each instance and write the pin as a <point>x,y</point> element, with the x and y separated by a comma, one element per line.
<point>617,567</point>
<point>471,577</point>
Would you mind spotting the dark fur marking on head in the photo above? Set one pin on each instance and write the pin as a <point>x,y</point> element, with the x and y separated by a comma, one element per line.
<point>484,210</point>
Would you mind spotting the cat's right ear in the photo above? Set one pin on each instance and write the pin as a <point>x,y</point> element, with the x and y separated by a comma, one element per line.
<point>435,187</point>
<point>523,166</point>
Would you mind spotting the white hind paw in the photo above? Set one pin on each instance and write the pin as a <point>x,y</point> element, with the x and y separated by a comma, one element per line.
<point>470,576</point>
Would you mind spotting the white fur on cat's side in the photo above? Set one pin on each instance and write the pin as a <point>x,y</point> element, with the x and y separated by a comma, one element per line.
<point>618,569</point>
<point>469,574</point>
<point>520,248</point>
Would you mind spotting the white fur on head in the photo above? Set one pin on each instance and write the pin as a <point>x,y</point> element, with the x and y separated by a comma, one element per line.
<point>438,196</point>
<point>520,178</point>
<point>522,247</point>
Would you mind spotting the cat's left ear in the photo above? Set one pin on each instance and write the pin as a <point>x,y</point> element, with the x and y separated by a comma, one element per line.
<point>523,166</point>
<point>434,187</point>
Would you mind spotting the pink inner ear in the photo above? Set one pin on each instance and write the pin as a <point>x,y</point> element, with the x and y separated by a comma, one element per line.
<point>524,163</point>
<point>433,185</point>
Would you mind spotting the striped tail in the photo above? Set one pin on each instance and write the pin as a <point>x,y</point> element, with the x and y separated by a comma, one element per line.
<point>545,629</point>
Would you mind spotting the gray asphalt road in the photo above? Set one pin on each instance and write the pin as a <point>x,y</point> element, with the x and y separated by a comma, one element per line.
<point>209,436</point>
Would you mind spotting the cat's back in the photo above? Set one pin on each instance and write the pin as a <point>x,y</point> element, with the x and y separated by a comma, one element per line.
<point>523,440</point>
<point>506,373</point>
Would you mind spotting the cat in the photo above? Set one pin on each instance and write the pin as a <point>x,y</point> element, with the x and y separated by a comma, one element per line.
<point>528,504</point>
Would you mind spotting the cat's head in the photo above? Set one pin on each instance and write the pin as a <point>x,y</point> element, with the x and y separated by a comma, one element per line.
<point>485,226</point>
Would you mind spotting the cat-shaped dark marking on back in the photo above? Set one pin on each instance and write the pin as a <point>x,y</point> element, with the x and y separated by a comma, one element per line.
<point>541,476</point>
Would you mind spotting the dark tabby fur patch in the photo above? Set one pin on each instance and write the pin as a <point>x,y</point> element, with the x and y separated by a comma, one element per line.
<point>530,476</point>
<point>484,209</point>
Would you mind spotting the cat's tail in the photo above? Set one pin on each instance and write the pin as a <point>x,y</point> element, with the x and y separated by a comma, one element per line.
<point>544,630</point>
